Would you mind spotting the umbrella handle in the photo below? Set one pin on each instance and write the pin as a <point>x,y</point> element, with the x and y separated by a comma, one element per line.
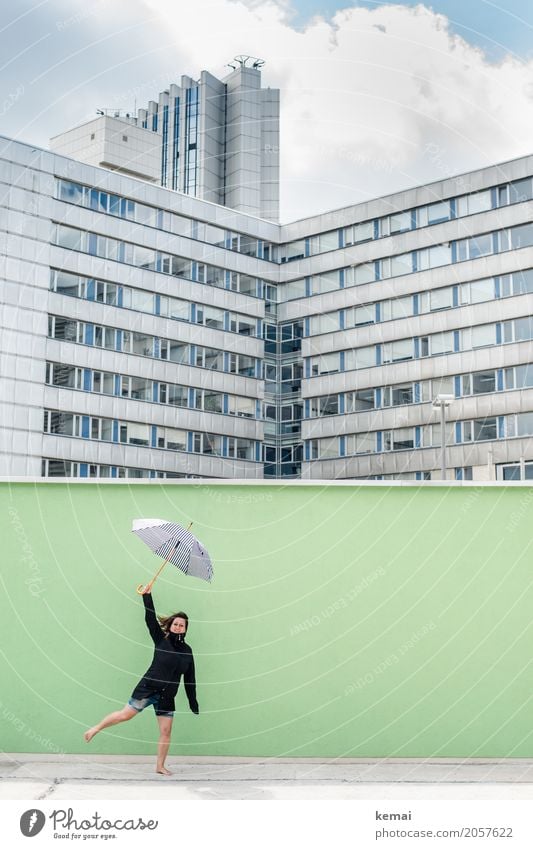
<point>141,588</point>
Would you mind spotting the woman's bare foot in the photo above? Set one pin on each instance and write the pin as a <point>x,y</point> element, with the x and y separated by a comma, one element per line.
<point>162,770</point>
<point>90,734</point>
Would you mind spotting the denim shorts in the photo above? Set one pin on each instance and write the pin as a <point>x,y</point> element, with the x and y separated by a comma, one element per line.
<point>141,704</point>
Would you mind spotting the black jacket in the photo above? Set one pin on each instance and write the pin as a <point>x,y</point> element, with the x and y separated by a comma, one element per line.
<point>172,659</point>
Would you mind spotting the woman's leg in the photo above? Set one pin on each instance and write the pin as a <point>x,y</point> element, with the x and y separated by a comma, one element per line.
<point>165,730</point>
<point>114,718</point>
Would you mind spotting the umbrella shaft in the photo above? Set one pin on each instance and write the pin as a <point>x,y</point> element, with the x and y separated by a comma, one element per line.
<point>164,564</point>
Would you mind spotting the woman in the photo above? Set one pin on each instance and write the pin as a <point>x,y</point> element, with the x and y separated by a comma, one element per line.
<point>158,687</point>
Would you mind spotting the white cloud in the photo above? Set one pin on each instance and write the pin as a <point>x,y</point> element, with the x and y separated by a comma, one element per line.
<point>372,100</point>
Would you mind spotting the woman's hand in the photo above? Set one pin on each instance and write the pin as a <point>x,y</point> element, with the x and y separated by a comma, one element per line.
<point>147,589</point>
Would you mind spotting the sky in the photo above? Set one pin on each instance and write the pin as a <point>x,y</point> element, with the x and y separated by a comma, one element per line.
<point>375,96</point>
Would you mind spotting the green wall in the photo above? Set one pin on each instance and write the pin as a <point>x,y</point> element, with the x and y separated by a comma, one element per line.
<point>342,621</point>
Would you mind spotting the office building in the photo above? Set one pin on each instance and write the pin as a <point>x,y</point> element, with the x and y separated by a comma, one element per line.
<point>217,140</point>
<point>150,333</point>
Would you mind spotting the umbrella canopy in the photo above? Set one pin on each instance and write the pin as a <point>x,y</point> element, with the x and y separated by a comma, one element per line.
<point>176,545</point>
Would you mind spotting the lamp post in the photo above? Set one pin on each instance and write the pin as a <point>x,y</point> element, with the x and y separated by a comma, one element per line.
<point>441,402</point>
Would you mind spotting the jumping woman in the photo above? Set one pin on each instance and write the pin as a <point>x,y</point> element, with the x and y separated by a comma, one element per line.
<point>159,685</point>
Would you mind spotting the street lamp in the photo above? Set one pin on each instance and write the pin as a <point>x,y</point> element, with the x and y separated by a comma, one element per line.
<point>441,402</point>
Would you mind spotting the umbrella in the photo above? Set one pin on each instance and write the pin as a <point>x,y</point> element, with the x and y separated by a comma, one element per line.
<point>177,545</point>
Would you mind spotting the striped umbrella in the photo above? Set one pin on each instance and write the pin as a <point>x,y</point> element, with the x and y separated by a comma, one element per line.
<point>177,545</point>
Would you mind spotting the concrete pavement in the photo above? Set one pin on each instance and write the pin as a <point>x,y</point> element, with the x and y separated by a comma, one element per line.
<point>50,777</point>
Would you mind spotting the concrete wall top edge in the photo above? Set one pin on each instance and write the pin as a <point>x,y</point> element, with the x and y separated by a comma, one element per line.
<point>261,482</point>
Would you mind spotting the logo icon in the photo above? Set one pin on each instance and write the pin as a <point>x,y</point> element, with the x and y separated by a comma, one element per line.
<point>32,822</point>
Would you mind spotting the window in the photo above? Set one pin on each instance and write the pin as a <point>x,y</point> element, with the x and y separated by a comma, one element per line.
<point>360,443</point>
<point>172,439</point>
<point>518,330</point>
<point>398,440</point>
<point>474,203</point>
<point>359,400</point>
<point>394,396</point>
<point>483,381</point>
<point>242,364</point>
<point>434,257</point>
<point>244,407</point>
<point>324,242</point>
<point>519,377</point>
<point>210,316</point>
<point>362,315</point>
<point>399,222</point>
<point>437,212</point>
<point>522,237</point>
<point>325,364</point>
<point>134,434</point>
<point>396,308</point>
<point>520,190</point>
<point>358,358</point>
<point>395,266</point>
<point>326,282</point>
<point>477,291</point>
<point>401,349</point>
<point>478,336</point>
<point>359,274</point>
<point>327,323</point>
<point>520,283</point>
<point>359,233</point>
<point>68,237</point>
<point>441,299</point>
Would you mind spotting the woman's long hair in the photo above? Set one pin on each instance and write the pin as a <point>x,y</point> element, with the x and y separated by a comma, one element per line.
<point>166,621</point>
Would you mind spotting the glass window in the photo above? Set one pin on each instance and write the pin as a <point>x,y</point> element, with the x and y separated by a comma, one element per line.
<point>294,289</point>
<point>522,283</point>
<point>440,299</point>
<point>327,323</point>
<point>69,238</point>
<point>326,282</point>
<point>523,328</point>
<point>329,405</point>
<point>479,202</point>
<point>357,358</point>
<point>400,221</point>
<point>325,364</point>
<point>142,301</point>
<point>477,291</point>
<point>363,315</point>
<point>401,349</point>
<point>441,386</point>
<point>141,389</point>
<point>359,274</point>
<point>401,264</point>
<point>239,406</point>
<point>70,192</point>
<point>360,400</point>
<point>396,308</point>
<point>292,251</point>
<point>523,376</point>
<point>439,211</point>
<point>483,381</point>
<point>524,424</point>
<point>520,190</point>
<point>441,343</point>
<point>360,443</point>
<point>484,429</point>
<point>522,237</point>
<point>210,316</point>
<point>66,284</point>
<point>359,233</point>
<point>394,396</point>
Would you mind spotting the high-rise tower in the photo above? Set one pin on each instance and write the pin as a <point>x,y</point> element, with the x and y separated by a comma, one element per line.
<point>217,140</point>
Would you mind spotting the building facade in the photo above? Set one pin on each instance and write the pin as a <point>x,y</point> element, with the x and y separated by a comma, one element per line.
<point>214,139</point>
<point>149,333</point>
